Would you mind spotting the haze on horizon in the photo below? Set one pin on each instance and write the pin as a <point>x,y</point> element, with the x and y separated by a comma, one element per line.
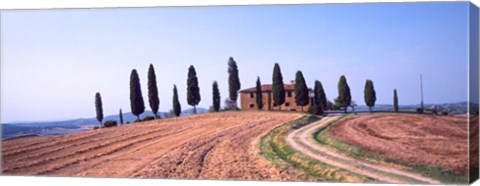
<point>54,61</point>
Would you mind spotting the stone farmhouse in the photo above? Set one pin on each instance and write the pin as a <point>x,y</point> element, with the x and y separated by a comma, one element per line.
<point>248,98</point>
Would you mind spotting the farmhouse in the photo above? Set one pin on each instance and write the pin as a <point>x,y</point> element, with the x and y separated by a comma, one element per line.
<point>248,98</point>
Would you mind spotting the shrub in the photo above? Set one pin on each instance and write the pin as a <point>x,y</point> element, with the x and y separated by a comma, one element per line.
<point>136,121</point>
<point>420,110</point>
<point>110,123</point>
<point>315,110</point>
<point>445,111</point>
<point>148,118</point>
<point>96,127</point>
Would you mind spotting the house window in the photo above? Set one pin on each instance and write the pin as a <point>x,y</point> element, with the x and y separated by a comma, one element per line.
<point>274,104</point>
<point>287,104</point>
<point>289,94</point>
<point>251,95</point>
<point>252,105</point>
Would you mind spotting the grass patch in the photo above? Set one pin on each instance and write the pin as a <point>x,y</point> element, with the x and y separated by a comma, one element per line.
<point>442,174</point>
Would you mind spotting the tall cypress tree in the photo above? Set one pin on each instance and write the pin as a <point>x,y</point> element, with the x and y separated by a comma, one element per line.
<point>344,98</point>
<point>177,108</point>
<point>193,91</point>
<point>136,100</point>
<point>395,100</point>
<point>153,91</point>
<point>301,91</point>
<point>320,97</point>
<point>121,117</point>
<point>259,94</point>
<point>278,91</point>
<point>370,95</point>
<point>99,107</point>
<point>216,97</point>
<point>233,80</point>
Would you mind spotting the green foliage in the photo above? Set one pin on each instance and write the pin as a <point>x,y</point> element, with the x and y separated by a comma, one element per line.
<point>148,118</point>
<point>193,91</point>
<point>233,80</point>
<point>121,117</point>
<point>344,98</point>
<point>177,108</point>
<point>370,94</point>
<point>110,123</point>
<point>315,109</point>
<point>153,91</point>
<point>301,91</point>
<point>445,111</point>
<point>98,107</point>
<point>258,95</point>
<point>96,127</point>
<point>395,100</point>
<point>216,97</point>
<point>278,91</point>
<point>320,97</point>
<point>136,100</point>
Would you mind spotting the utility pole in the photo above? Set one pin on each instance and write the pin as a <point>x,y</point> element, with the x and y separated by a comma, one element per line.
<point>421,92</point>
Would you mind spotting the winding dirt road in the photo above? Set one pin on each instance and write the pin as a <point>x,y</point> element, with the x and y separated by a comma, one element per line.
<point>213,146</point>
<point>302,140</point>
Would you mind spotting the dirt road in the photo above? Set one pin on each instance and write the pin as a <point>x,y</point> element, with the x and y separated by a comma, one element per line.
<point>303,141</point>
<point>213,146</point>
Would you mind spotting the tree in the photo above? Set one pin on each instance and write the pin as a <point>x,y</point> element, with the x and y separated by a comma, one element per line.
<point>216,97</point>
<point>233,80</point>
<point>153,91</point>
<point>301,91</point>
<point>177,108</point>
<point>370,95</point>
<point>121,117</point>
<point>193,91</point>
<point>259,94</point>
<point>98,107</point>
<point>278,91</point>
<point>319,95</point>
<point>136,100</point>
<point>344,98</point>
<point>395,100</point>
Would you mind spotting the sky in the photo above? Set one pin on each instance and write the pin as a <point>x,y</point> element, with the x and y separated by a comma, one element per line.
<point>54,61</point>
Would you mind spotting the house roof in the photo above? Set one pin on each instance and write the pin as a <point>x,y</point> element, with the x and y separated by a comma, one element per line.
<point>268,88</point>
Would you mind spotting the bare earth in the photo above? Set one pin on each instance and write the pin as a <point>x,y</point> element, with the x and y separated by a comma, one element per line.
<point>431,140</point>
<point>303,141</point>
<point>213,146</point>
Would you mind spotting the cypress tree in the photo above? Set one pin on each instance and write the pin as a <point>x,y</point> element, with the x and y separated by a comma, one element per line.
<point>344,98</point>
<point>278,91</point>
<point>370,95</point>
<point>259,94</point>
<point>136,100</point>
<point>177,109</point>
<point>121,117</point>
<point>233,80</point>
<point>395,100</point>
<point>301,91</point>
<point>193,91</point>
<point>153,91</point>
<point>320,97</point>
<point>98,107</point>
<point>216,97</point>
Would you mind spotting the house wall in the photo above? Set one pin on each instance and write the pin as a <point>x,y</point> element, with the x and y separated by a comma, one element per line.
<point>250,103</point>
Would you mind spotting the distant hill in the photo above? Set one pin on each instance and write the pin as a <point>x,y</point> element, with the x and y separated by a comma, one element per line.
<point>455,108</point>
<point>74,125</point>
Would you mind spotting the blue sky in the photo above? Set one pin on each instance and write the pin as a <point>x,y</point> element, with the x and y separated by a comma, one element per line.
<point>54,61</point>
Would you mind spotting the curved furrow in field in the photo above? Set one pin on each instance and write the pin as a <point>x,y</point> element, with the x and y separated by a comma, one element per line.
<point>58,149</point>
<point>50,142</point>
<point>303,141</point>
<point>17,167</point>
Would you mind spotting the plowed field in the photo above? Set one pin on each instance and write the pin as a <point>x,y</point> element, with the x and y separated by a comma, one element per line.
<point>430,140</point>
<point>213,146</point>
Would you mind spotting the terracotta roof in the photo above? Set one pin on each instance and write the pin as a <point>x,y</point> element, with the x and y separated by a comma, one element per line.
<point>268,88</point>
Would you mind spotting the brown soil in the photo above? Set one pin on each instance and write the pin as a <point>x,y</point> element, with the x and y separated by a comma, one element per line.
<point>425,139</point>
<point>213,146</point>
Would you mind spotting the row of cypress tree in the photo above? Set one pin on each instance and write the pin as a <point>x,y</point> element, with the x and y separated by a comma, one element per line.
<point>137,104</point>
